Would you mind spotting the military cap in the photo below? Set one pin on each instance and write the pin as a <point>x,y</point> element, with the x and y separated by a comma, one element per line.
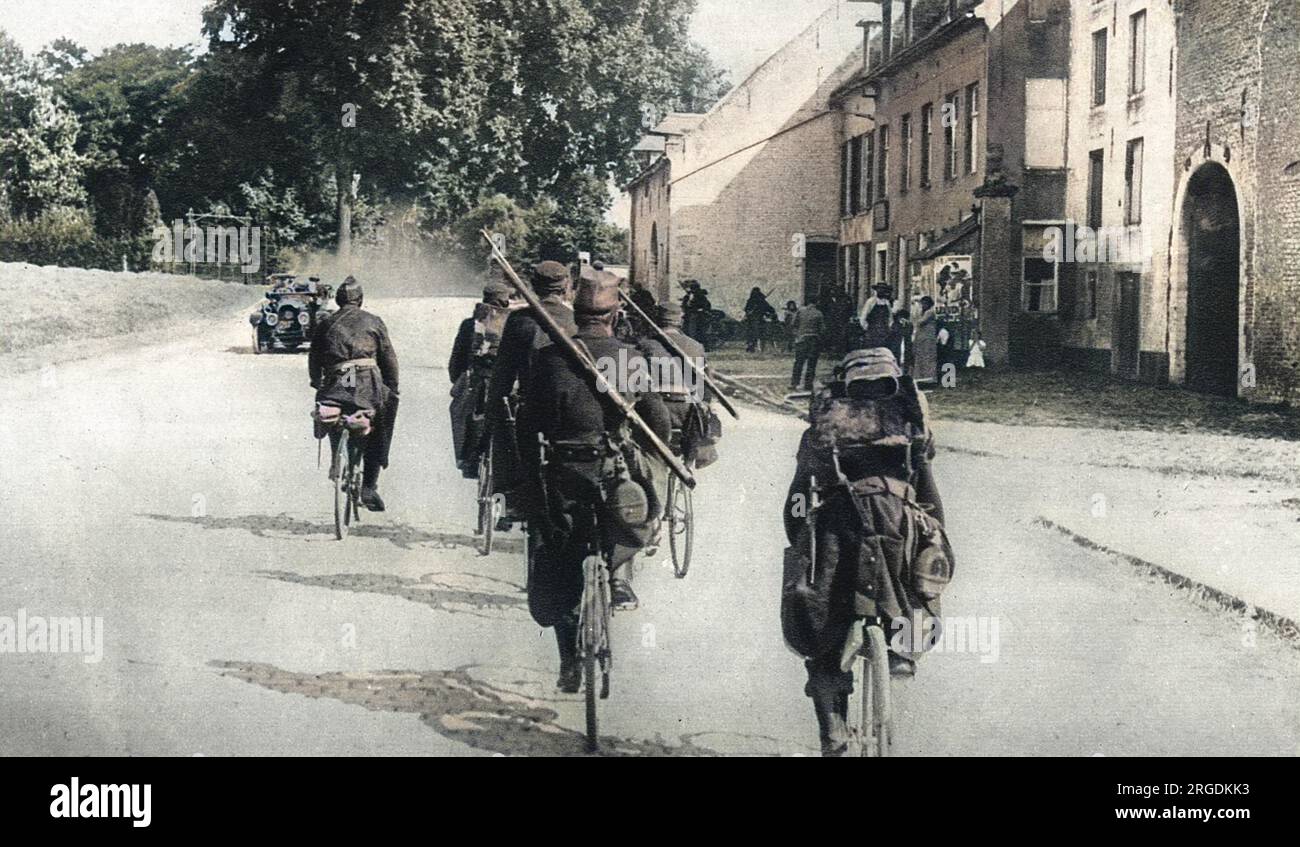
<point>597,294</point>
<point>496,291</point>
<point>549,276</point>
<point>349,293</point>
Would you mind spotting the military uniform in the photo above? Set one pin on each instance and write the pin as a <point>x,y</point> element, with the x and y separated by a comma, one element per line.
<point>864,539</point>
<point>470,367</point>
<point>564,407</point>
<point>521,341</point>
<point>352,365</point>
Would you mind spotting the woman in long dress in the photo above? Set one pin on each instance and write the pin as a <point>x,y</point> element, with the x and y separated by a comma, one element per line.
<point>925,343</point>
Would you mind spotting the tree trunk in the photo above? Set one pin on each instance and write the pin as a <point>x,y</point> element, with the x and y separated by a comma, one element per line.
<point>343,178</point>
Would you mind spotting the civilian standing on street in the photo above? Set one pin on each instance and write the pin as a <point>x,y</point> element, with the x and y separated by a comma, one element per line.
<point>925,341</point>
<point>809,326</point>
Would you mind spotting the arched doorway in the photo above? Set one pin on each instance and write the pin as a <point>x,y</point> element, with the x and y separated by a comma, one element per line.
<point>1213,232</point>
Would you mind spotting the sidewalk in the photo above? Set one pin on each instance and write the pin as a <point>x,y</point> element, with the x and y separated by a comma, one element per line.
<point>1217,514</point>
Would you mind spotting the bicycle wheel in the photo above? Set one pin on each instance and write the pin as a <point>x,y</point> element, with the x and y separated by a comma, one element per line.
<point>487,518</point>
<point>592,623</point>
<point>342,487</point>
<point>681,526</point>
<point>876,706</point>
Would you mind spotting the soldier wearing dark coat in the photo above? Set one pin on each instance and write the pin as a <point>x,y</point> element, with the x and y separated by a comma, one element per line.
<point>564,407</point>
<point>521,341</point>
<point>352,365</point>
<point>470,367</point>
<point>496,295</point>
<point>683,392</point>
<point>862,541</point>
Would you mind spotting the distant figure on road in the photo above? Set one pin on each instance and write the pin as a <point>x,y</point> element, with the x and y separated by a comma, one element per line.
<point>758,312</point>
<point>352,365</point>
<point>698,311</point>
<point>787,323</point>
<point>925,343</point>
<point>809,326</point>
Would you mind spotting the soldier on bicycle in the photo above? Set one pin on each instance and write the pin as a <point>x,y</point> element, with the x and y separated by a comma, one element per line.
<point>352,365</point>
<point>580,427</point>
<point>522,339</point>
<point>864,520</point>
<point>473,355</point>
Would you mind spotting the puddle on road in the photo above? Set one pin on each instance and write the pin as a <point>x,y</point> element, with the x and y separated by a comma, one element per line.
<point>464,593</point>
<point>458,706</point>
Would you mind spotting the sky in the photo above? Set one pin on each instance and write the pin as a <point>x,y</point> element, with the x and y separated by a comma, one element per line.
<point>739,33</point>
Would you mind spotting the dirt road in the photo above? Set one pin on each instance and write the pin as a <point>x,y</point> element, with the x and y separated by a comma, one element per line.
<point>173,492</point>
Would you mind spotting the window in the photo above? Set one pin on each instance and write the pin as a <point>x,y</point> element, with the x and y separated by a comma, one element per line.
<point>1090,293</point>
<point>1133,183</point>
<point>972,127</point>
<point>927,138</point>
<point>882,265</point>
<point>1099,67</point>
<point>1096,165</point>
<point>1045,123</point>
<point>1039,279</point>
<point>882,173</point>
<point>905,166</point>
<point>1137,53</point>
<point>846,178</point>
<point>951,110</point>
<point>855,176</point>
<point>868,165</point>
<point>1039,285</point>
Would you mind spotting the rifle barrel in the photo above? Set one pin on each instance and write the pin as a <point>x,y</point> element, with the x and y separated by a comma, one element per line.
<point>584,361</point>
<point>681,354</point>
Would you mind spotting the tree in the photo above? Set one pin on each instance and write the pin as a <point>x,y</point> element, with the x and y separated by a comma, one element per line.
<point>40,168</point>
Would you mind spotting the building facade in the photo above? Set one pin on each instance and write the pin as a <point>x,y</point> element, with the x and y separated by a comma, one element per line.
<point>966,148</point>
<point>745,195</point>
<point>1118,218</point>
<point>1234,305</point>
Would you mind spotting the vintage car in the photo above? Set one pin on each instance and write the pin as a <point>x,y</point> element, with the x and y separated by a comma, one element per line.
<point>288,315</point>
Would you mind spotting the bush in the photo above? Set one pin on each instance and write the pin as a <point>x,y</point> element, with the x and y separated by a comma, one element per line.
<point>67,238</point>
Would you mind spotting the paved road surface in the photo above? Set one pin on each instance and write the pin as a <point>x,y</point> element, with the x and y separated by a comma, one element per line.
<point>173,491</point>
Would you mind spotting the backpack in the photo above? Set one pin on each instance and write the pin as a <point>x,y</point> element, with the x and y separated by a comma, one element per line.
<point>489,324</point>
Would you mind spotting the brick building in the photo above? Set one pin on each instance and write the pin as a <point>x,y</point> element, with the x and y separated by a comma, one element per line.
<point>1234,306</point>
<point>744,196</point>
<point>1120,188</point>
<point>965,156</point>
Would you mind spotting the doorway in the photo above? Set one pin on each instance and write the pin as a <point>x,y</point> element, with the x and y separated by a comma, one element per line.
<point>1128,325</point>
<point>1213,231</point>
<point>819,269</point>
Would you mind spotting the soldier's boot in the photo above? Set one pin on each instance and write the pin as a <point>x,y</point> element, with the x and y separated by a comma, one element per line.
<point>832,721</point>
<point>566,638</point>
<point>622,596</point>
<point>370,489</point>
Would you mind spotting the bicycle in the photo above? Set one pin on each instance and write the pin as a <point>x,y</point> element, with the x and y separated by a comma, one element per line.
<point>595,607</point>
<point>345,463</point>
<point>680,511</point>
<point>594,616</point>
<point>489,505</point>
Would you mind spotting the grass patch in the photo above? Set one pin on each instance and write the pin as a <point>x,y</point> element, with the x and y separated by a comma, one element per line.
<point>41,306</point>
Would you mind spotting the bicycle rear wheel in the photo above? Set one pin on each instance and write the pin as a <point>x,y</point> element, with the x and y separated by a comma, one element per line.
<point>681,526</point>
<point>487,512</point>
<point>342,487</point>
<point>593,634</point>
